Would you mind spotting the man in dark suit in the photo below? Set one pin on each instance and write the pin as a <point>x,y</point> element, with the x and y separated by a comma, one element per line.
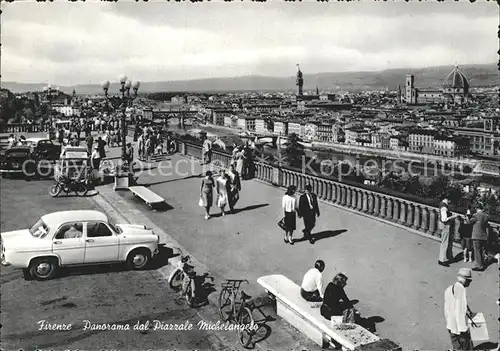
<point>308,209</point>
<point>480,225</point>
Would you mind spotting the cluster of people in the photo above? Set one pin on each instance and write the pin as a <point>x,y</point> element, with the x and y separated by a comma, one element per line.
<point>334,299</point>
<point>242,158</point>
<point>14,141</point>
<point>151,142</point>
<point>306,207</point>
<point>474,234</point>
<point>227,188</point>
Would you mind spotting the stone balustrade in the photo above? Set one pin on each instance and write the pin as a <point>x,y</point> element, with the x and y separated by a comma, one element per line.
<point>417,216</point>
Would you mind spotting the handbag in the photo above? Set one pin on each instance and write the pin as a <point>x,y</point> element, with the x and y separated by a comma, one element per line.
<point>282,224</point>
<point>201,203</point>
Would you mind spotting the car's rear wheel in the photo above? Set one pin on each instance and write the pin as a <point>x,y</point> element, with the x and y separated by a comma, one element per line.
<point>138,259</point>
<point>43,268</point>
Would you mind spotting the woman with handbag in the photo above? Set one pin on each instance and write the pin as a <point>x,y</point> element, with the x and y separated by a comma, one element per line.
<point>332,306</point>
<point>289,205</point>
<point>234,188</point>
<point>206,193</point>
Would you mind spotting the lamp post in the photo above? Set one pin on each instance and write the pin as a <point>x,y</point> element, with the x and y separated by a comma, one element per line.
<point>51,92</point>
<point>122,102</point>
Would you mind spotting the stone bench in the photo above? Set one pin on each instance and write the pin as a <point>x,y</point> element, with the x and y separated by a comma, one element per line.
<point>149,197</point>
<point>306,317</point>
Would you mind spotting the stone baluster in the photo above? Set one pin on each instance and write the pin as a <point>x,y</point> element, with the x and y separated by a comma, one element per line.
<point>335,192</point>
<point>416,217</point>
<point>349,191</point>
<point>410,212</point>
<point>389,209</point>
<point>395,210</point>
<point>359,201</point>
<point>343,192</point>
<point>383,206</point>
<point>402,212</point>
<point>354,198</point>
<point>376,208</point>
<point>365,201</point>
<point>432,222</point>
<point>371,203</point>
<point>424,226</point>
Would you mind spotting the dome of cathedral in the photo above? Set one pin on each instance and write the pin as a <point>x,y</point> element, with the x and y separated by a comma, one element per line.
<point>456,80</point>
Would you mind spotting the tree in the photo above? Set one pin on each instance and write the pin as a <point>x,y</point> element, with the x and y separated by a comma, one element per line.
<point>294,150</point>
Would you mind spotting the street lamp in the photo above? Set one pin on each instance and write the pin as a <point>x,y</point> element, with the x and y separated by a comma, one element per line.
<point>122,101</point>
<point>50,92</point>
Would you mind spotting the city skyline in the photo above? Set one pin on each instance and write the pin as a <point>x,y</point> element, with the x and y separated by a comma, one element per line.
<point>54,43</point>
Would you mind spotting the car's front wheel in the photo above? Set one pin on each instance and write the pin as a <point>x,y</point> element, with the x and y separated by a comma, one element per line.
<point>43,268</point>
<point>138,259</point>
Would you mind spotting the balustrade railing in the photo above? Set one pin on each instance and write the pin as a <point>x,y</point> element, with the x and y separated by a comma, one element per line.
<point>418,216</point>
<point>21,128</point>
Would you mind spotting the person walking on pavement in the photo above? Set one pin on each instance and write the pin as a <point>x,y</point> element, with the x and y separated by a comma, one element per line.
<point>311,288</point>
<point>222,187</point>
<point>480,225</point>
<point>235,187</point>
<point>308,210</point>
<point>90,142</point>
<point>95,158</point>
<point>207,151</point>
<point>101,144</point>
<point>445,221</point>
<point>456,311</point>
<point>465,231</point>
<point>288,204</point>
<point>140,146</point>
<point>206,193</point>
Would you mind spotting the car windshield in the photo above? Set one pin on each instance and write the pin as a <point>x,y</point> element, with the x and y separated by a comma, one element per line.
<point>39,229</point>
<point>113,226</point>
<point>15,154</point>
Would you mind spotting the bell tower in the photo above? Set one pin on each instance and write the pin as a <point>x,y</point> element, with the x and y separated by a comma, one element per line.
<point>300,81</point>
<point>410,89</point>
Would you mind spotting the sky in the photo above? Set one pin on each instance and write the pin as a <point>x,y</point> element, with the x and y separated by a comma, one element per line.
<point>63,43</point>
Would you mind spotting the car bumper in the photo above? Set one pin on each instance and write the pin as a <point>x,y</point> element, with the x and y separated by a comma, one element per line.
<point>11,171</point>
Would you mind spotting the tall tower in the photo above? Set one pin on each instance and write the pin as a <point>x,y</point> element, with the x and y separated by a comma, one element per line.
<point>399,94</point>
<point>410,89</point>
<point>299,81</point>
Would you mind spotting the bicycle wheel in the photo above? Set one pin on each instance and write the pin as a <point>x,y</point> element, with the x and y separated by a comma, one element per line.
<point>175,280</point>
<point>225,307</point>
<point>55,190</point>
<point>246,328</point>
<point>81,189</point>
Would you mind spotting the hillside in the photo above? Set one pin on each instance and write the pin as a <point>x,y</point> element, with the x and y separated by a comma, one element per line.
<point>431,77</point>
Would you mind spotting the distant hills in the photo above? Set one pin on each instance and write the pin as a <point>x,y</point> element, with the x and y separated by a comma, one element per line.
<point>430,77</point>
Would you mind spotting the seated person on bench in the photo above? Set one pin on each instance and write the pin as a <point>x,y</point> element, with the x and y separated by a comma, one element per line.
<point>331,303</point>
<point>312,284</point>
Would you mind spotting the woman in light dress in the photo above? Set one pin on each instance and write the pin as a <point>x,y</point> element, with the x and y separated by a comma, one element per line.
<point>222,187</point>
<point>239,157</point>
<point>289,206</point>
<point>206,193</point>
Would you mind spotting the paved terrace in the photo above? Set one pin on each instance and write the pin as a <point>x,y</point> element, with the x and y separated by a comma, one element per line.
<point>392,272</point>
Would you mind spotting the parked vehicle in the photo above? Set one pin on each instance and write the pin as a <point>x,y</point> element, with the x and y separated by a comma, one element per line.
<point>182,279</point>
<point>44,148</point>
<point>76,238</point>
<point>20,161</point>
<point>68,185</point>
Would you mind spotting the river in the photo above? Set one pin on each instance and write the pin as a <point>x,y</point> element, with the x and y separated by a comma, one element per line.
<point>359,161</point>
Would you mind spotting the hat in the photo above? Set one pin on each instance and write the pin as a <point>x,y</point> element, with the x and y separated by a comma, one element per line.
<point>446,201</point>
<point>465,273</point>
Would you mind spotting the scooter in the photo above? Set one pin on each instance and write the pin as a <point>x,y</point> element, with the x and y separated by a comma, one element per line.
<point>68,185</point>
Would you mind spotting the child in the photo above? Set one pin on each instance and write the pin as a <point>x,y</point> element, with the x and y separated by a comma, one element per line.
<point>465,231</point>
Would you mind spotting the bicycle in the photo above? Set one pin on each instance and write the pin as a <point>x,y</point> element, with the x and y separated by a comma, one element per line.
<point>240,312</point>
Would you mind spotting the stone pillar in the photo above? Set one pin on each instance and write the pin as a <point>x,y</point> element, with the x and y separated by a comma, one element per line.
<point>402,212</point>
<point>383,206</point>
<point>335,192</point>
<point>432,222</point>
<point>328,191</point>
<point>416,218</point>
<point>376,208</point>
<point>424,226</point>
<point>395,211</point>
<point>276,176</point>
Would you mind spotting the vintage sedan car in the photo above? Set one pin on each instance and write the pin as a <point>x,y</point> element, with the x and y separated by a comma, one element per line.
<point>44,148</point>
<point>22,161</point>
<point>76,238</point>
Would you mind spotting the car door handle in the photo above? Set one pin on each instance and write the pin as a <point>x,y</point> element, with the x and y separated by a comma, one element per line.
<point>90,240</point>
<point>57,242</point>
